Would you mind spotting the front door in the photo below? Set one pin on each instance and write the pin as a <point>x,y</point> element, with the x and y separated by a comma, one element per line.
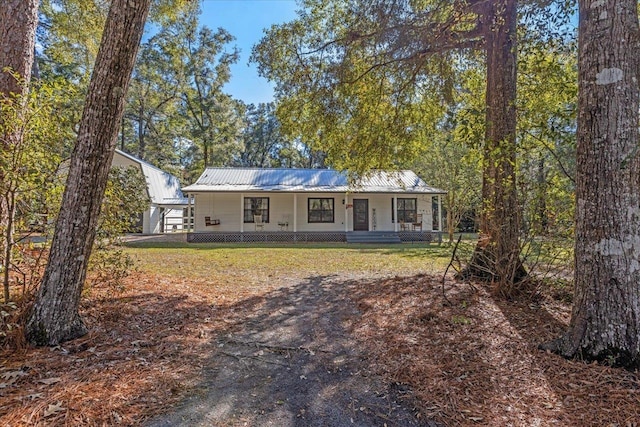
<point>360,215</point>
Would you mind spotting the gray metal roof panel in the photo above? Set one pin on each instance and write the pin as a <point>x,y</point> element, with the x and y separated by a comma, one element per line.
<point>307,180</point>
<point>163,187</point>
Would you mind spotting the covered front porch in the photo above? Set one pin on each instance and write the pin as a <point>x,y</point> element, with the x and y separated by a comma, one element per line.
<point>306,214</point>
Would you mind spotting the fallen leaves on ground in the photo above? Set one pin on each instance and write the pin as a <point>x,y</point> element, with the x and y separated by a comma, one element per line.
<point>145,350</point>
<point>474,362</point>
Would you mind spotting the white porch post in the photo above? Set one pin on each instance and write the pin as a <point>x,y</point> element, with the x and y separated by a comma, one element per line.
<point>295,212</point>
<point>439,212</point>
<point>186,222</point>
<point>190,223</point>
<point>241,212</point>
<point>395,213</point>
<point>346,212</point>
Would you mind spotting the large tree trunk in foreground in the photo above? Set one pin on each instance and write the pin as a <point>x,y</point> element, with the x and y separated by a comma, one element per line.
<point>18,22</point>
<point>55,315</point>
<point>496,256</point>
<point>605,323</point>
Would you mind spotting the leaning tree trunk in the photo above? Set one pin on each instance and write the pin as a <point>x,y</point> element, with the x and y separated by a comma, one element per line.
<point>18,22</point>
<point>605,323</point>
<point>496,257</point>
<point>55,317</point>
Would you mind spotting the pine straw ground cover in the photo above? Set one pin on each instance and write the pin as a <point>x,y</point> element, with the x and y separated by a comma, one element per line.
<point>474,362</point>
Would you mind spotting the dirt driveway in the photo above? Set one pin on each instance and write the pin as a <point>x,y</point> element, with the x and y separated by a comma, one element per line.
<point>294,362</point>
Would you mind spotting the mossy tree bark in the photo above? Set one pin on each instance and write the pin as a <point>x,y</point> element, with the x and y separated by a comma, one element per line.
<point>605,322</point>
<point>55,316</point>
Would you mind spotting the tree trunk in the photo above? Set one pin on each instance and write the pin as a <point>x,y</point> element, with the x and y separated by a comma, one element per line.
<point>55,317</point>
<point>9,242</point>
<point>450,222</point>
<point>605,322</point>
<point>141,129</point>
<point>496,256</point>
<point>540,222</point>
<point>18,22</point>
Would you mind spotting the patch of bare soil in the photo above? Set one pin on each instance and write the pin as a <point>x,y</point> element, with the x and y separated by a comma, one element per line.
<point>293,362</point>
<point>326,351</point>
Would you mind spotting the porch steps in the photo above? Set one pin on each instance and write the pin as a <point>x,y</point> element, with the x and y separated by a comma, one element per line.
<point>373,237</point>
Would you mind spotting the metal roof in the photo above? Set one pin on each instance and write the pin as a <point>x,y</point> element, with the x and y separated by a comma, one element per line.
<point>163,188</point>
<point>307,180</point>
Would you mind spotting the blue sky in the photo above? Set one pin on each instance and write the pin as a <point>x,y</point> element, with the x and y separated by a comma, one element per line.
<point>245,20</point>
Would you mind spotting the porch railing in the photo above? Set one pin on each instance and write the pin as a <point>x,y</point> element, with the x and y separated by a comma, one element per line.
<point>308,236</point>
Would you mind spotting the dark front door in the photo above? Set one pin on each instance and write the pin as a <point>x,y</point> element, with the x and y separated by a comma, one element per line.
<point>360,215</point>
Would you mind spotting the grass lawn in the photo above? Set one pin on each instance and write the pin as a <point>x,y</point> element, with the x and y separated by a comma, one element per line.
<point>259,263</point>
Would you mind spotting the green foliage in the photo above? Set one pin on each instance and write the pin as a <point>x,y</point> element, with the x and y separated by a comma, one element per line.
<point>152,121</point>
<point>177,115</point>
<point>458,319</point>
<point>108,267</point>
<point>71,30</point>
<point>69,35</point>
<point>31,138</point>
<point>452,159</point>
<point>124,200</point>
<point>380,84</point>
<point>359,80</point>
<point>546,133</point>
<point>266,146</point>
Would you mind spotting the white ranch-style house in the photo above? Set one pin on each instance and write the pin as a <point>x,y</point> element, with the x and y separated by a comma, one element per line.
<point>166,201</point>
<point>251,204</point>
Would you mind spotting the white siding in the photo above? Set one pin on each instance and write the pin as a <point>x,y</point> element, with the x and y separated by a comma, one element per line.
<point>222,206</point>
<point>173,220</point>
<point>151,222</point>
<point>338,213</point>
<point>228,208</point>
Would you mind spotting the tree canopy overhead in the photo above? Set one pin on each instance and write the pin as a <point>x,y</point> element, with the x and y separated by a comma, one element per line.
<point>369,82</point>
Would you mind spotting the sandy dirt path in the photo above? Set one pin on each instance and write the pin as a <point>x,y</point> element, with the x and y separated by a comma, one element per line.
<point>294,362</point>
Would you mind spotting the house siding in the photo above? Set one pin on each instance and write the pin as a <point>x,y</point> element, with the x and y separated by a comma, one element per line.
<point>228,208</point>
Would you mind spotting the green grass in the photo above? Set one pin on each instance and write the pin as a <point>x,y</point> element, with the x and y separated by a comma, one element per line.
<point>260,262</point>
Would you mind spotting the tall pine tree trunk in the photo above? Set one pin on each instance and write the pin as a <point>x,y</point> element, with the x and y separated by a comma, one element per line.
<point>605,322</point>
<point>496,256</point>
<point>18,22</point>
<point>55,316</point>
